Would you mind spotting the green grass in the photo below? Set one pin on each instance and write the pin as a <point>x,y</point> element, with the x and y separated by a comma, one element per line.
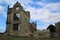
<point>2,37</point>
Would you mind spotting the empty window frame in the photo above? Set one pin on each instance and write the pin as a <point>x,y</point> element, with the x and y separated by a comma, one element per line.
<point>15,27</point>
<point>17,8</point>
<point>16,16</point>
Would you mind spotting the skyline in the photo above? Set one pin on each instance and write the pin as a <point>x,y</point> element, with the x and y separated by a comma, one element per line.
<point>44,12</point>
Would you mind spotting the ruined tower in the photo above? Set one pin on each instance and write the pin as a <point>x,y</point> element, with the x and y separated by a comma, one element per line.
<point>17,21</point>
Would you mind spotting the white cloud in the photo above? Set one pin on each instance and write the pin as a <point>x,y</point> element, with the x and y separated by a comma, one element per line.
<point>1,8</point>
<point>2,29</point>
<point>1,1</point>
<point>53,6</point>
<point>41,3</point>
<point>44,14</point>
<point>12,2</point>
<point>54,17</point>
<point>2,12</point>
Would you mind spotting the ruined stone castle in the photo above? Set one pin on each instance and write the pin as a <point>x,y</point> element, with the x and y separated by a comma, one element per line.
<point>17,23</point>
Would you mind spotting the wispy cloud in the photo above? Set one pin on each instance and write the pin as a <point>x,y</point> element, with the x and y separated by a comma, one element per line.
<point>45,14</point>
<point>1,8</point>
<point>2,29</point>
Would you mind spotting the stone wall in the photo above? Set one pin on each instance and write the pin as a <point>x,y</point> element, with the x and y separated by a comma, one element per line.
<point>57,25</point>
<point>42,34</point>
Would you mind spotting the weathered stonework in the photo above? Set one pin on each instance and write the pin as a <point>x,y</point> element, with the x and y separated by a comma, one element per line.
<point>43,34</point>
<point>57,25</point>
<point>18,24</point>
<point>21,23</point>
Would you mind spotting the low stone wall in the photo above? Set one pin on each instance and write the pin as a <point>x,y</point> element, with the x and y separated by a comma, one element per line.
<point>42,34</point>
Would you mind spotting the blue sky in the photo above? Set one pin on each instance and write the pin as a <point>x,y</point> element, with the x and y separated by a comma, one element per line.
<point>44,12</point>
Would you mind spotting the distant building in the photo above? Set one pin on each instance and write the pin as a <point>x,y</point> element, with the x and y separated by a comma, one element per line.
<point>52,30</point>
<point>33,27</point>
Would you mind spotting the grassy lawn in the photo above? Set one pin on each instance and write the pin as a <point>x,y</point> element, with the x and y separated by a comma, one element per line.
<point>2,37</point>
